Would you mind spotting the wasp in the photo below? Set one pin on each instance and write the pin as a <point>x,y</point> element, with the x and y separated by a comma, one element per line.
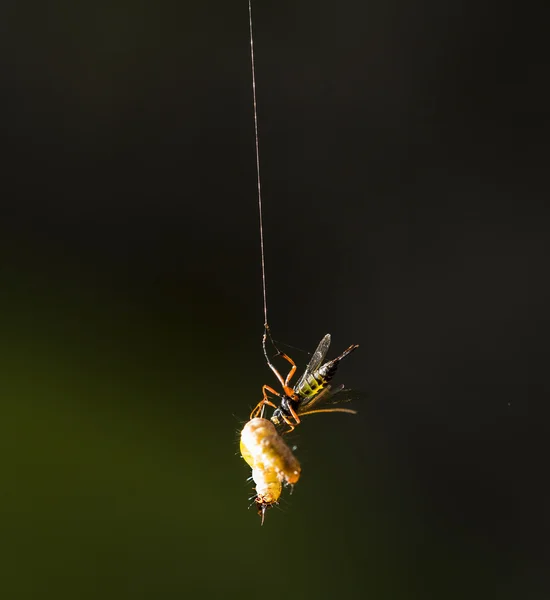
<point>311,389</point>
<point>271,460</point>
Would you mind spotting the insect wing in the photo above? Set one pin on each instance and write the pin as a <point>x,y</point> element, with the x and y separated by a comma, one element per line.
<point>328,396</point>
<point>316,360</point>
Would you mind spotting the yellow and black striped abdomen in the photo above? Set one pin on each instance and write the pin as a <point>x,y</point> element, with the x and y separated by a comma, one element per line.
<point>312,385</point>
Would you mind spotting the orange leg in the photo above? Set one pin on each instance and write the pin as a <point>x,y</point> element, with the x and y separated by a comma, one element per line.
<point>295,417</point>
<point>288,422</point>
<point>277,374</point>
<point>291,372</point>
<point>291,425</point>
<point>284,382</point>
<point>265,400</point>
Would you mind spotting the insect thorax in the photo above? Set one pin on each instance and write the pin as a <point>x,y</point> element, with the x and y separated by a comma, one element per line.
<point>284,410</point>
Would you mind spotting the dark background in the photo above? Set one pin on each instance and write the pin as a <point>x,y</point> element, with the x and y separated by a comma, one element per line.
<point>403,156</point>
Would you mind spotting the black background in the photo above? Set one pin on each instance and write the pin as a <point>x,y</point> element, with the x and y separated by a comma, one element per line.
<point>403,150</point>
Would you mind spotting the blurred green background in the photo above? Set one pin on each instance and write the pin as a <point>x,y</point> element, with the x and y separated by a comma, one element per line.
<point>403,200</point>
<point>122,478</point>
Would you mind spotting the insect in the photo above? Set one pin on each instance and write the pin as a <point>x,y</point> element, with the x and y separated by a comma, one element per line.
<point>311,389</point>
<point>271,460</point>
<point>262,446</point>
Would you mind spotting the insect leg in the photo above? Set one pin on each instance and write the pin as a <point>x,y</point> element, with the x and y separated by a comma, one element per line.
<point>284,382</point>
<point>295,415</point>
<point>291,372</point>
<point>291,425</point>
<point>265,400</point>
<point>271,366</point>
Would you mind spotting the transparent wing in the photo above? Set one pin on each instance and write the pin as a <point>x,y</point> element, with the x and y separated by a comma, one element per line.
<point>329,396</point>
<point>316,359</point>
